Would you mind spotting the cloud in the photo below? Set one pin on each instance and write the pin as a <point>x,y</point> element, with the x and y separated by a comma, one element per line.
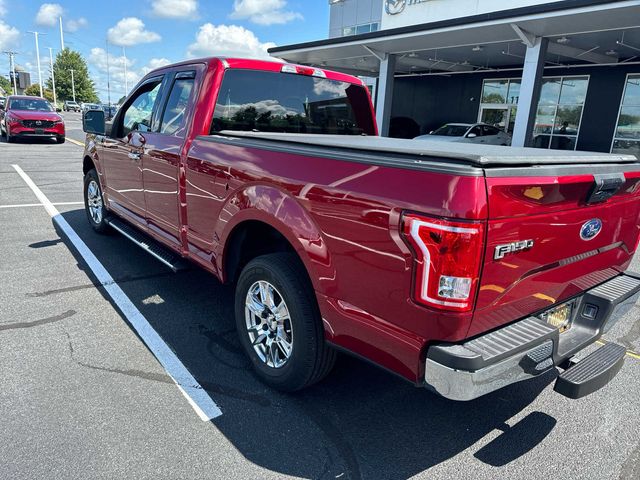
<point>264,12</point>
<point>227,40</point>
<point>75,25</point>
<point>3,8</point>
<point>153,64</point>
<point>175,8</point>
<point>115,66</point>
<point>97,59</point>
<point>48,14</point>
<point>130,31</point>
<point>8,36</point>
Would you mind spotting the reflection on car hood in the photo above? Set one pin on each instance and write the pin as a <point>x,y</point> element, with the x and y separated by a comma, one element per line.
<point>30,115</point>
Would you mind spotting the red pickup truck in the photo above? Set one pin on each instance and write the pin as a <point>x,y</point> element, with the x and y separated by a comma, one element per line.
<point>459,267</point>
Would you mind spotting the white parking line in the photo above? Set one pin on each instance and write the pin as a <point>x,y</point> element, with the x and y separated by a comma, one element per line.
<point>197,397</point>
<point>39,204</point>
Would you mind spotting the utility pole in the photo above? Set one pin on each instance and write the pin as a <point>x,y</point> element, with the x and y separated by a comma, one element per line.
<point>73,85</point>
<point>36,34</point>
<point>53,79</point>
<point>61,35</point>
<point>108,76</point>
<point>126,83</point>
<point>12,68</point>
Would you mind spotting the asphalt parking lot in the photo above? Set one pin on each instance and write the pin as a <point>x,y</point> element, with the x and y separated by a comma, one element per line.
<point>81,396</point>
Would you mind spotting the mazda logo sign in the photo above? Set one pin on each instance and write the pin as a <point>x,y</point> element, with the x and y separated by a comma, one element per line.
<point>394,7</point>
<point>38,122</point>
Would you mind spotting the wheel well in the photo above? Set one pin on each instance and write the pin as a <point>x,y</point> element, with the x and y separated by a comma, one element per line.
<point>87,164</point>
<point>249,240</point>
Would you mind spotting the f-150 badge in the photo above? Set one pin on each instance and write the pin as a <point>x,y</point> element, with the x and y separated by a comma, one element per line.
<point>514,247</point>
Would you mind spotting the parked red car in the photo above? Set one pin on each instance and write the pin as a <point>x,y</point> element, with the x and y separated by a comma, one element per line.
<point>462,268</point>
<point>27,117</point>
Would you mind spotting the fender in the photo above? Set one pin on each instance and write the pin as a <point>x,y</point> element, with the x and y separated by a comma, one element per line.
<point>282,211</point>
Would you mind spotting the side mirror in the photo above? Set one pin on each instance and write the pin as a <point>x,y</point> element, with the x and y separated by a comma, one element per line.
<point>472,135</point>
<point>93,122</point>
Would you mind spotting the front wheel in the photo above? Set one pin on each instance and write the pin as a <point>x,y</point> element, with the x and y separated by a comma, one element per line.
<point>60,139</point>
<point>93,202</point>
<point>279,323</point>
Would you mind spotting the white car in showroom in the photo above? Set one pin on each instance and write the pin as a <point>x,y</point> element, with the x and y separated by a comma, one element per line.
<point>468,133</point>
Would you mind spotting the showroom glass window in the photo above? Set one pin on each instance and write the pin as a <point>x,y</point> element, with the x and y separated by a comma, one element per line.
<point>627,135</point>
<point>560,112</point>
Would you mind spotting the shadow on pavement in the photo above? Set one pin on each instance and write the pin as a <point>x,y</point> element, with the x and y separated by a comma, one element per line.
<point>358,423</point>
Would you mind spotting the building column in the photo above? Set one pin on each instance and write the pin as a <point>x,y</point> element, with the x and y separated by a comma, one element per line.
<point>385,93</point>
<point>530,92</point>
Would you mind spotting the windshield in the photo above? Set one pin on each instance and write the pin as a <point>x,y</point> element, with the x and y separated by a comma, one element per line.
<point>281,102</point>
<point>451,130</point>
<point>32,105</point>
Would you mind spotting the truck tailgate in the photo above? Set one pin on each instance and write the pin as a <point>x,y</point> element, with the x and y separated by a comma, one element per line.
<point>553,233</point>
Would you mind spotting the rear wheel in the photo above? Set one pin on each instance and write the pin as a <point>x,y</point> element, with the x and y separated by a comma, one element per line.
<point>93,202</point>
<point>279,323</point>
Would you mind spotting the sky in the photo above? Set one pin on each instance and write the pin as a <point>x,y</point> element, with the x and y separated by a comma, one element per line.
<point>152,32</point>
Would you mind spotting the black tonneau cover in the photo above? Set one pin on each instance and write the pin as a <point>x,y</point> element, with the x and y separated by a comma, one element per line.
<point>474,154</point>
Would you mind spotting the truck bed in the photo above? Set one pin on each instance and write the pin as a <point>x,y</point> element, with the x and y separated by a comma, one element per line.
<point>483,156</point>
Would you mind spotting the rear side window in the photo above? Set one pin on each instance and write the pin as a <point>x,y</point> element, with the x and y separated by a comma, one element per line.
<point>176,109</point>
<point>282,102</point>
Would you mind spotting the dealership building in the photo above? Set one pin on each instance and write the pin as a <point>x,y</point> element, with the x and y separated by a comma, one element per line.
<point>561,74</point>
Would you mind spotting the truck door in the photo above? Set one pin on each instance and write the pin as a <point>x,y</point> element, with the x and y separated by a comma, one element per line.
<point>122,152</point>
<point>161,158</point>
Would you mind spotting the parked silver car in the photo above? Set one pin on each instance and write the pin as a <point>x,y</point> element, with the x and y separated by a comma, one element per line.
<point>468,133</point>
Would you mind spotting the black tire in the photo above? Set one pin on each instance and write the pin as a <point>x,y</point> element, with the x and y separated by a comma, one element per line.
<point>10,138</point>
<point>311,358</point>
<point>60,139</point>
<point>100,226</point>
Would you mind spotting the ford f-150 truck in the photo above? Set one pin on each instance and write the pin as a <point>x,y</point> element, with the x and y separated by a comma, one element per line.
<point>461,268</point>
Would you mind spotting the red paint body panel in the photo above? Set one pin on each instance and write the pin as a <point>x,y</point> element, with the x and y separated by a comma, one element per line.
<point>561,264</point>
<point>344,219</point>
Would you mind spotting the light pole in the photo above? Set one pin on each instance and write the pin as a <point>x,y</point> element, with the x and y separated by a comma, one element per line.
<point>53,78</point>
<point>108,75</point>
<point>12,68</point>
<point>126,83</point>
<point>61,35</point>
<point>36,34</point>
<point>73,85</point>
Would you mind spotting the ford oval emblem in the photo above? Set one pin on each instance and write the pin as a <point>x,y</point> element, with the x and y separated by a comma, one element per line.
<point>590,229</point>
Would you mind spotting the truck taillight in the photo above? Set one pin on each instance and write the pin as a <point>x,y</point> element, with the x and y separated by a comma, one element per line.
<point>448,260</point>
<point>300,70</point>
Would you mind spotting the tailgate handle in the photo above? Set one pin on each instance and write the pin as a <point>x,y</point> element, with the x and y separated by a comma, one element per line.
<point>605,187</point>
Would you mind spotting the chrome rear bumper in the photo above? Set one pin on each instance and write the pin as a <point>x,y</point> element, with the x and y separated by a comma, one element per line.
<point>528,347</point>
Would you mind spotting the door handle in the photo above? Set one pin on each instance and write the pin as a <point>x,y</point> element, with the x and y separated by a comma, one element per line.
<point>134,156</point>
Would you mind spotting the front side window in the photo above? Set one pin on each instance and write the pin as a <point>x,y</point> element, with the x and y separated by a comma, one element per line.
<point>627,135</point>
<point>173,118</point>
<point>137,116</point>
<point>30,105</point>
<point>291,103</point>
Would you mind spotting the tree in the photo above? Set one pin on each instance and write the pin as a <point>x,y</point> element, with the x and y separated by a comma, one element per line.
<point>68,60</point>
<point>5,85</point>
<point>33,90</point>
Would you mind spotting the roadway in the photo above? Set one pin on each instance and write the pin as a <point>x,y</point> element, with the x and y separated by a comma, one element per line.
<point>81,395</point>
